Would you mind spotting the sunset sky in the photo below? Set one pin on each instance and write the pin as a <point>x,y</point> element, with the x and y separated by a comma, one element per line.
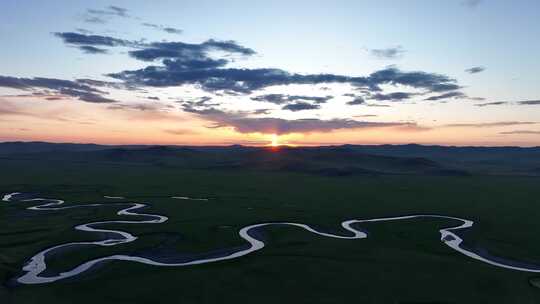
<point>252,72</point>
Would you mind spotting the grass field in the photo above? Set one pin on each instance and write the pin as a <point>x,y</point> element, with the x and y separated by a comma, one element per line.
<point>400,262</point>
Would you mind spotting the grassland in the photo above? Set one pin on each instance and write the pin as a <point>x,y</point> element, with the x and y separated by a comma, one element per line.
<point>400,262</point>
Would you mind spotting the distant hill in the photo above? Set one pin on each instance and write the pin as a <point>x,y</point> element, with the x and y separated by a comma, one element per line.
<point>39,147</point>
<point>488,160</point>
<point>327,160</point>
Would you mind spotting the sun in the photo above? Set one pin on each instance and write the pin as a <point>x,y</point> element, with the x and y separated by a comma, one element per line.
<point>275,141</point>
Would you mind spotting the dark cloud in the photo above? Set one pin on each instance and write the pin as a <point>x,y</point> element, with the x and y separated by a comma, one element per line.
<point>172,30</point>
<point>167,29</point>
<point>420,80</point>
<point>283,99</point>
<point>105,84</point>
<point>531,132</point>
<point>199,104</point>
<point>365,115</point>
<point>248,80</point>
<point>272,98</point>
<point>153,97</point>
<point>490,124</point>
<point>196,64</point>
<point>396,96</point>
<point>374,105</point>
<point>476,69</point>
<point>358,100</point>
<point>138,106</point>
<point>262,111</point>
<point>203,101</point>
<point>528,102</point>
<point>185,52</point>
<point>92,40</point>
<point>448,95</point>
<point>315,99</point>
<point>88,49</point>
<point>191,63</point>
<point>388,53</point>
<point>300,106</point>
<point>60,86</point>
<point>520,102</point>
<point>244,124</point>
<point>495,103</point>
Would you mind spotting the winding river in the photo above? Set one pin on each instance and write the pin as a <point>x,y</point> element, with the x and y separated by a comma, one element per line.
<point>34,269</point>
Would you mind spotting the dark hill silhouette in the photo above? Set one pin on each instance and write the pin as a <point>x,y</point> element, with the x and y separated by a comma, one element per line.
<point>326,160</point>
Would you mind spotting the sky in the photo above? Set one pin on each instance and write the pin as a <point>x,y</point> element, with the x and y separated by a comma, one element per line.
<point>453,72</point>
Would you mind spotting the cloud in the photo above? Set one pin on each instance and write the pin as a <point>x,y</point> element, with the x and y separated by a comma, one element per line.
<point>105,84</point>
<point>396,96</point>
<point>88,49</point>
<point>531,132</point>
<point>476,69</point>
<point>118,11</point>
<point>167,29</point>
<point>528,102</point>
<point>300,106</point>
<point>59,86</point>
<point>205,65</point>
<point>448,95</point>
<point>103,15</point>
<point>192,63</point>
<point>197,105</point>
<point>262,111</point>
<point>244,124</point>
<point>92,40</point>
<point>272,98</point>
<point>365,115</point>
<point>137,106</point>
<point>186,52</point>
<point>146,111</point>
<point>172,30</point>
<point>17,109</point>
<point>377,105</point>
<point>430,82</point>
<point>209,76</point>
<point>357,100</point>
<point>495,103</point>
<point>532,102</point>
<point>489,124</point>
<point>283,99</point>
<point>388,53</point>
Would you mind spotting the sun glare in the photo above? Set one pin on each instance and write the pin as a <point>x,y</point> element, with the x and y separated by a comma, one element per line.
<point>275,141</point>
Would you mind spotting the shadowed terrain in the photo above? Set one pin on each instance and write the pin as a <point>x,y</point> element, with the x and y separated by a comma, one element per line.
<point>332,160</point>
<point>400,262</point>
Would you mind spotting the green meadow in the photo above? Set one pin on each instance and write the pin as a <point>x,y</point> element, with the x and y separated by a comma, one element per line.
<point>400,262</point>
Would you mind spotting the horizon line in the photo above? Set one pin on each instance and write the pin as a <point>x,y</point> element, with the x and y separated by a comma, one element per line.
<point>270,146</point>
